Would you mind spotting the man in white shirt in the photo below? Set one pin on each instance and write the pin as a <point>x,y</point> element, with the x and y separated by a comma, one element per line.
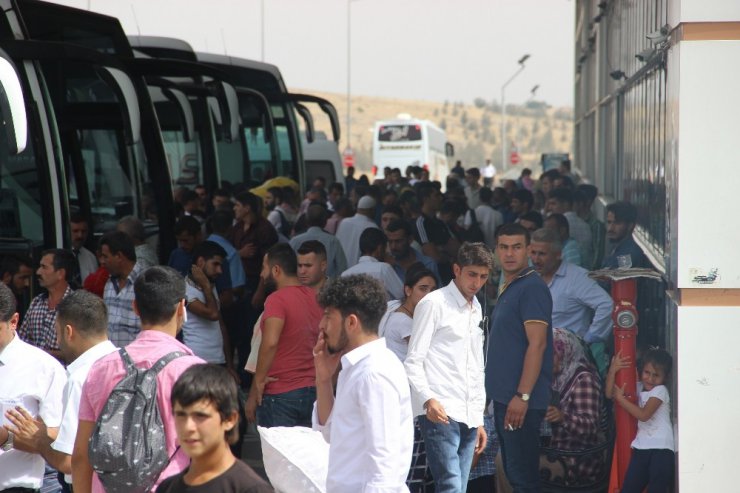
<point>82,331</point>
<point>446,370</point>
<point>489,172</point>
<point>369,424</point>
<point>488,218</point>
<point>472,187</point>
<point>373,243</point>
<point>79,230</point>
<point>32,379</point>
<point>349,230</point>
<point>204,332</point>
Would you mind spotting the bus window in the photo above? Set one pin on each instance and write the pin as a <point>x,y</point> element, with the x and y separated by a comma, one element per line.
<point>184,157</point>
<point>260,155</point>
<point>20,195</point>
<point>231,161</point>
<point>111,191</point>
<point>286,157</point>
<point>399,133</point>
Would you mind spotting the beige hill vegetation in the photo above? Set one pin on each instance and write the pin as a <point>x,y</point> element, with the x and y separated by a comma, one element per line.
<point>474,129</point>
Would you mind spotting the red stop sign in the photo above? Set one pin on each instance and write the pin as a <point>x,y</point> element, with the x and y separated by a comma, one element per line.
<point>514,158</point>
<point>348,157</point>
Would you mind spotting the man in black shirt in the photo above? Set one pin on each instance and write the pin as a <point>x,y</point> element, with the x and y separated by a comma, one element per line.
<point>205,407</point>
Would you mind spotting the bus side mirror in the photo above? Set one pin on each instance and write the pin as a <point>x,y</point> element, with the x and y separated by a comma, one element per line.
<point>449,150</point>
<point>12,107</point>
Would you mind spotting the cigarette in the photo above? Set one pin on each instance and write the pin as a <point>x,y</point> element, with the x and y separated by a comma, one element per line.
<point>509,427</point>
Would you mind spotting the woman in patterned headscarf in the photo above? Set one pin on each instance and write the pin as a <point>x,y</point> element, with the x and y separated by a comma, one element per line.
<point>577,416</point>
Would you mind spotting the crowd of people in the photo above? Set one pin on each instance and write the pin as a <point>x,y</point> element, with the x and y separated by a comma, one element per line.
<point>436,334</point>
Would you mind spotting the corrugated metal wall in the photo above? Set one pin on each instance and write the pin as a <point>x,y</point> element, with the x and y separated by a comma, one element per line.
<point>620,125</point>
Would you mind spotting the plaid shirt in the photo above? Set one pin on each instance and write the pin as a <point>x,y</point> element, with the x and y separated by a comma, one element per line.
<point>123,324</point>
<point>486,465</point>
<point>582,407</point>
<point>38,327</point>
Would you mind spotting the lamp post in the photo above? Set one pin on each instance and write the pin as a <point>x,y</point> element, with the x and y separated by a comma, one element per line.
<point>504,162</point>
<point>533,92</point>
<point>262,29</point>
<point>349,81</point>
<point>349,75</point>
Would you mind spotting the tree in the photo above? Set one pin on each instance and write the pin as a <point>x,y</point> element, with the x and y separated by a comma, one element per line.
<point>443,124</point>
<point>479,103</point>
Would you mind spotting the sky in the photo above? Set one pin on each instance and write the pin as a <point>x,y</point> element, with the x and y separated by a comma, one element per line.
<point>438,50</point>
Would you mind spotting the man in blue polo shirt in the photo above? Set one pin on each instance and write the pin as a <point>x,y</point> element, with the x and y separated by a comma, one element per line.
<point>519,370</point>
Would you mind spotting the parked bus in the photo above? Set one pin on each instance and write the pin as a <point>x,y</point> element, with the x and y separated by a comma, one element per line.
<point>287,109</point>
<point>93,146</point>
<point>322,159</point>
<point>407,142</point>
<point>265,142</point>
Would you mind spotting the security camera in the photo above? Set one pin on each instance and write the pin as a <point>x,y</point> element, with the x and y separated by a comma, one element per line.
<point>618,75</point>
<point>645,54</point>
<point>660,36</point>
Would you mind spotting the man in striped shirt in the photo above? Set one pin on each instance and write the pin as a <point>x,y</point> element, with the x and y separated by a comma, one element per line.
<point>118,255</point>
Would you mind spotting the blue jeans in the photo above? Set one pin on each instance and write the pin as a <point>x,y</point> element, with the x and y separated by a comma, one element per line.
<point>293,408</point>
<point>520,449</point>
<point>449,450</point>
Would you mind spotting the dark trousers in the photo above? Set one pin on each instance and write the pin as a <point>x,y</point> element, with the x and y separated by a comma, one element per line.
<point>520,449</point>
<point>651,468</point>
<point>293,408</point>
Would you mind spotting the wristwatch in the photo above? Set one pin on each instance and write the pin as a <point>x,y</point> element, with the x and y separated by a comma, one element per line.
<point>524,397</point>
<point>9,442</point>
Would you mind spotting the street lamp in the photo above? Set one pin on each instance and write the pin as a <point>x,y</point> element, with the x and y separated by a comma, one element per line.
<point>349,65</point>
<point>504,162</point>
<point>533,91</point>
<point>262,29</point>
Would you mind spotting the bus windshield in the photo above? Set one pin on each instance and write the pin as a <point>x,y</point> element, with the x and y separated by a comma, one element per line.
<point>399,133</point>
<point>20,194</point>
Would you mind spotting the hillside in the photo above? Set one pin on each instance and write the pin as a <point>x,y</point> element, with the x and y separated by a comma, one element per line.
<point>474,129</point>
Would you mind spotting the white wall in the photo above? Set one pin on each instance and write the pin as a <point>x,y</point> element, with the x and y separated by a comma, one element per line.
<point>709,162</point>
<point>709,11</point>
<point>708,399</point>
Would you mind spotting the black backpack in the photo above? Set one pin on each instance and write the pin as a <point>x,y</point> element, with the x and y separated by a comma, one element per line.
<point>474,234</point>
<point>285,225</point>
<point>128,449</point>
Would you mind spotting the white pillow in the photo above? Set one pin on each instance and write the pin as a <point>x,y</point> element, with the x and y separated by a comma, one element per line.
<point>296,459</point>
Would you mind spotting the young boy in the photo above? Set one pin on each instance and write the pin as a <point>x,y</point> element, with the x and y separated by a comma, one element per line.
<point>205,406</point>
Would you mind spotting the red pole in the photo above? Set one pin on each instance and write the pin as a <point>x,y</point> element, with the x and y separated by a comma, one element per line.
<point>624,294</point>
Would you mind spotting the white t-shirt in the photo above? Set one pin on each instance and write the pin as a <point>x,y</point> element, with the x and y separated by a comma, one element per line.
<point>76,376</point>
<point>201,335</point>
<point>395,327</point>
<point>31,378</point>
<point>657,432</point>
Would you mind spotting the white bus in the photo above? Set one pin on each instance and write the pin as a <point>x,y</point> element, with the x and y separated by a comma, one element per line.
<point>406,141</point>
